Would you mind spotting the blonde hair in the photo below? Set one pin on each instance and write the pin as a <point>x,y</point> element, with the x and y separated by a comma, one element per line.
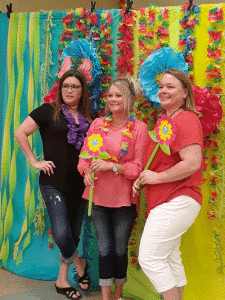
<point>130,88</point>
<point>189,103</point>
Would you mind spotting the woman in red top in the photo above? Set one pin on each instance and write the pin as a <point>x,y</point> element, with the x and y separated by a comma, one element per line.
<point>172,188</point>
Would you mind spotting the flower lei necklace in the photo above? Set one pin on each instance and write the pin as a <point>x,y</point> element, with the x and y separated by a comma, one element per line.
<point>77,131</point>
<point>126,133</point>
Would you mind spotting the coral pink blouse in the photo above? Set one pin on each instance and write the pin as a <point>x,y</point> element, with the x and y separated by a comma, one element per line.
<point>112,190</point>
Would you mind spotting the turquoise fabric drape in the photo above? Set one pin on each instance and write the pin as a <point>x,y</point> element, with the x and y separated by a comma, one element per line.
<point>37,260</point>
<point>4,26</point>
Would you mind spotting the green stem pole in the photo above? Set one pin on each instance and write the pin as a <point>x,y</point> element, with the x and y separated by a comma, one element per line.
<point>150,160</point>
<point>91,194</point>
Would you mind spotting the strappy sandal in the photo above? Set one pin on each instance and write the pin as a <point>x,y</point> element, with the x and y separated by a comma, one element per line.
<point>69,292</point>
<point>85,279</point>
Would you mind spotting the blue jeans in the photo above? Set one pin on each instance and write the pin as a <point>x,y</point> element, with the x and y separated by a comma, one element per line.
<point>113,227</point>
<point>66,216</point>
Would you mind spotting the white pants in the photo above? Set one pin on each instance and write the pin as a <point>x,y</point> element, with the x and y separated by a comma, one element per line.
<point>159,254</point>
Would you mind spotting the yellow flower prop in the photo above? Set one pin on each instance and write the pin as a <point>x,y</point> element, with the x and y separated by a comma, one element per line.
<point>94,147</point>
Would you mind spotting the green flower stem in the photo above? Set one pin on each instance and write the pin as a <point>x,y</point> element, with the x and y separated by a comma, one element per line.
<point>150,160</point>
<point>91,194</point>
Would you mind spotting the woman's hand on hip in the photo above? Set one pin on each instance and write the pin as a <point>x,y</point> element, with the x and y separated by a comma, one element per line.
<point>45,166</point>
<point>100,165</point>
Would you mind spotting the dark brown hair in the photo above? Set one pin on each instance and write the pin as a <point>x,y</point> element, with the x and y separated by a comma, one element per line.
<point>84,103</point>
<point>189,103</point>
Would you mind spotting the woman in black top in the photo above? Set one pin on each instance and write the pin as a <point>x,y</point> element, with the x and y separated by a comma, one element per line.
<point>62,126</point>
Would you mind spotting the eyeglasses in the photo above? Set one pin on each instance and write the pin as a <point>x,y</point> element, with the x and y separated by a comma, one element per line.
<point>74,87</point>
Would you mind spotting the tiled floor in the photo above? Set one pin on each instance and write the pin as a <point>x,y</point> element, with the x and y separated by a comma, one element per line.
<point>13,287</point>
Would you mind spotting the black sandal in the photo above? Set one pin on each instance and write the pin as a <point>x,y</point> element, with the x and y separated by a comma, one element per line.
<point>69,292</point>
<point>85,279</point>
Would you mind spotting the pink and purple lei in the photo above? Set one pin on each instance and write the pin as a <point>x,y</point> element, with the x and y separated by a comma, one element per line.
<point>78,130</point>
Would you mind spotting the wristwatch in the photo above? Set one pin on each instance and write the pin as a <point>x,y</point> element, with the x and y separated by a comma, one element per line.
<point>115,169</point>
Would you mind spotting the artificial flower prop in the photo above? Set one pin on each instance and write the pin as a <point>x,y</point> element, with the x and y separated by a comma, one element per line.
<point>163,134</point>
<point>154,66</point>
<point>210,107</point>
<point>81,55</point>
<point>94,148</point>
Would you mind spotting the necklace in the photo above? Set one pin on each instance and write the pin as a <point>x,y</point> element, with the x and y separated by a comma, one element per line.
<point>126,133</point>
<point>77,131</point>
<point>174,112</point>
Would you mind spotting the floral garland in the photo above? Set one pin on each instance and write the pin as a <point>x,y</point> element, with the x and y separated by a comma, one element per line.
<point>146,32</point>
<point>187,41</point>
<point>214,145</point>
<point>81,23</point>
<point>162,29</point>
<point>67,36</point>
<point>126,133</point>
<point>214,75</point>
<point>126,53</point>
<point>105,51</point>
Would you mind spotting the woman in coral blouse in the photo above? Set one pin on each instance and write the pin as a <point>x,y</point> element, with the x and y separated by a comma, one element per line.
<point>114,207</point>
<point>172,188</point>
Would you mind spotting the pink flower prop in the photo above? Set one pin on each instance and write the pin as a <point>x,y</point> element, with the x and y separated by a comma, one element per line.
<point>165,130</point>
<point>66,66</point>
<point>86,68</point>
<point>209,106</point>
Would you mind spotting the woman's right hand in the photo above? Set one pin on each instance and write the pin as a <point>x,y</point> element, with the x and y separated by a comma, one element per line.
<point>136,188</point>
<point>88,181</point>
<point>45,166</point>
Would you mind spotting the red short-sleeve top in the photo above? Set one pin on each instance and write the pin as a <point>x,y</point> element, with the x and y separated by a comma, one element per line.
<point>189,131</point>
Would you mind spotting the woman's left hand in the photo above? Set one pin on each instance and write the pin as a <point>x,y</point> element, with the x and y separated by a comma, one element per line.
<point>149,177</point>
<point>100,165</point>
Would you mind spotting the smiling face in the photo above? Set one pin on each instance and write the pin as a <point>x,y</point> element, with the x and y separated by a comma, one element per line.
<point>71,92</point>
<point>171,93</point>
<point>115,100</point>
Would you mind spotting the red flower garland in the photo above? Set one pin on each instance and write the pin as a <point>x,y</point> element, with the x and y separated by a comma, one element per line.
<point>146,33</point>
<point>187,41</point>
<point>126,53</point>
<point>105,51</point>
<point>163,31</point>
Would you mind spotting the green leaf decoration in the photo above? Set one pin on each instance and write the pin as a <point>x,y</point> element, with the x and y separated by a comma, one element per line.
<point>16,245</point>
<point>19,258</point>
<point>153,136</point>
<point>8,218</point>
<point>4,204</point>
<point>210,67</point>
<point>31,213</point>
<point>165,148</point>
<point>104,155</point>
<point>27,194</point>
<point>27,240</point>
<point>5,252</point>
<point>12,175</point>
<point>85,155</point>
<point>1,231</point>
